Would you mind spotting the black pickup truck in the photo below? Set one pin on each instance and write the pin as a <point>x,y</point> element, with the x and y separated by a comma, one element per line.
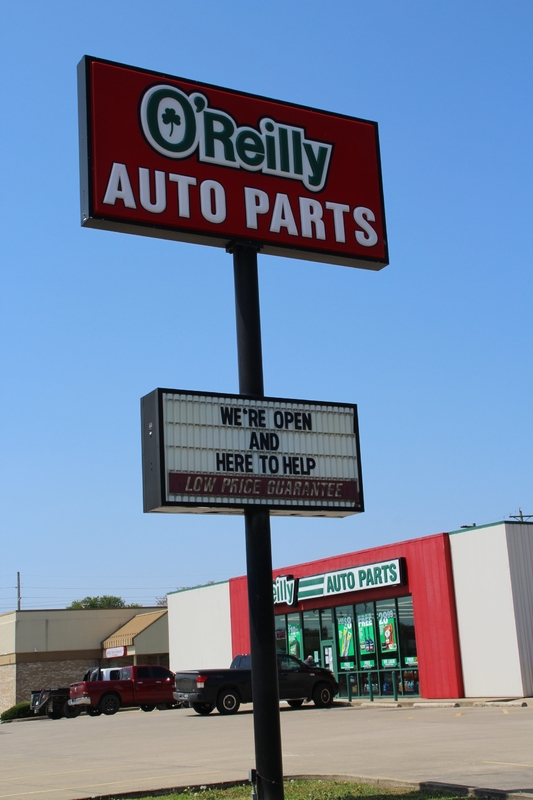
<point>228,688</point>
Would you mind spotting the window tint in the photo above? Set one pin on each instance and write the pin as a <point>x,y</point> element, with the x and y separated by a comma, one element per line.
<point>159,672</point>
<point>241,662</point>
<point>289,663</point>
<point>143,672</point>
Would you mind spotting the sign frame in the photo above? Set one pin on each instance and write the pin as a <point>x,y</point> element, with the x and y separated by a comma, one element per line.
<point>308,249</point>
<point>154,466</point>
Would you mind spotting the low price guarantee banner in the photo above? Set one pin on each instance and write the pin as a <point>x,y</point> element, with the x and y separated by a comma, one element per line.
<point>204,452</point>
<point>168,157</point>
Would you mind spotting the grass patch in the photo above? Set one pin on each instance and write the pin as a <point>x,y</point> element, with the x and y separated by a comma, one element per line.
<point>304,790</point>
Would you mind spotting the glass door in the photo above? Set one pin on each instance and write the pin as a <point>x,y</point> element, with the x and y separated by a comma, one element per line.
<point>328,655</point>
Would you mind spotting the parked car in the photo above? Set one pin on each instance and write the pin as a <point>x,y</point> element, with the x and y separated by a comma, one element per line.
<point>146,686</point>
<point>228,688</point>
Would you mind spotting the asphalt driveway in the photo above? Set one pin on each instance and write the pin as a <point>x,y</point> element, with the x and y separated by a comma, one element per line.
<point>133,751</point>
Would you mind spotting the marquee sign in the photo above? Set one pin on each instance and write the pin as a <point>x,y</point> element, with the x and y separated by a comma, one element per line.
<point>168,157</point>
<point>206,453</point>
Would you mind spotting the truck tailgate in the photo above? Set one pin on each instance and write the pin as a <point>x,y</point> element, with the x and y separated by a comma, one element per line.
<point>186,681</point>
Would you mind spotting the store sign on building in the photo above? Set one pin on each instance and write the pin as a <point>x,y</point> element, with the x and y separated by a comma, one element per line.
<point>285,590</point>
<point>168,157</point>
<point>355,579</point>
<point>205,453</point>
<point>116,652</point>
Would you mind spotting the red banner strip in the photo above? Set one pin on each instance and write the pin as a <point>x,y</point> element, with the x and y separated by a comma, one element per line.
<point>270,487</point>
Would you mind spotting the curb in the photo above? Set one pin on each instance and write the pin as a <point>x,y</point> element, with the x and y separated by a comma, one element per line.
<point>424,786</point>
<point>436,705</point>
<point>462,702</point>
<point>497,704</point>
<point>368,704</point>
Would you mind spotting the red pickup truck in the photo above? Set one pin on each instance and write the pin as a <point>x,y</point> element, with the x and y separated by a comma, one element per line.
<point>147,687</point>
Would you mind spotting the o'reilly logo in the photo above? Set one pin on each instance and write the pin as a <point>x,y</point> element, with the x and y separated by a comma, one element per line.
<point>176,125</point>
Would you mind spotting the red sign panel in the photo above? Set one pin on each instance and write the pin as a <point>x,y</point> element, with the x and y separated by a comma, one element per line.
<point>168,157</point>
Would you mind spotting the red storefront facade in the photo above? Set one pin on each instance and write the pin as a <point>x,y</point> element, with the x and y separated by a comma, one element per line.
<point>427,583</point>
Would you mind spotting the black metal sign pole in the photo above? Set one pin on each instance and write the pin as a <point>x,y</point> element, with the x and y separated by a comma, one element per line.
<point>265,690</point>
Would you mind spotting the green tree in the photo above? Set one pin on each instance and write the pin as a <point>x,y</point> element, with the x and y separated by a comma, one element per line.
<point>104,601</point>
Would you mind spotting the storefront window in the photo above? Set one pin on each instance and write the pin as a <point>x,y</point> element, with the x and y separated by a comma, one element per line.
<point>410,682</point>
<point>311,635</point>
<point>406,624</point>
<point>366,678</point>
<point>366,635</point>
<point>281,633</point>
<point>326,623</point>
<point>371,647</point>
<point>388,679</point>
<point>294,631</point>
<point>388,634</point>
<point>345,631</point>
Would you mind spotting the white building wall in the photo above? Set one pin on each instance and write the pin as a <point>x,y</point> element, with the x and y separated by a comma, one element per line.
<point>485,612</point>
<point>199,628</point>
<point>520,547</point>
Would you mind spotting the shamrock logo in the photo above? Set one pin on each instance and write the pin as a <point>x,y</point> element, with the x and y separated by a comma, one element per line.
<point>171,118</point>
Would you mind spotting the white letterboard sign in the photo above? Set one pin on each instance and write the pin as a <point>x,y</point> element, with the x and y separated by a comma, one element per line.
<point>220,453</point>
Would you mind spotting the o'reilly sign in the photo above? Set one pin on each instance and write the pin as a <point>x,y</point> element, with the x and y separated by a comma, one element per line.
<point>178,126</point>
<point>169,157</point>
<point>291,590</point>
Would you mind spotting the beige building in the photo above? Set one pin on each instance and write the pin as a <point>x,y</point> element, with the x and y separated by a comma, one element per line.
<point>54,648</point>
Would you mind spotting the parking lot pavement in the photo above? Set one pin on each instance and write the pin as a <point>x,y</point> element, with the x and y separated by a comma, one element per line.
<point>489,748</point>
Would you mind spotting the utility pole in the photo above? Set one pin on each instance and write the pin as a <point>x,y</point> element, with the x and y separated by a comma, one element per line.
<point>18,591</point>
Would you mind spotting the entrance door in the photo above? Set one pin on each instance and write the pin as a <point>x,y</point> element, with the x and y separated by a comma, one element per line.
<point>329,660</point>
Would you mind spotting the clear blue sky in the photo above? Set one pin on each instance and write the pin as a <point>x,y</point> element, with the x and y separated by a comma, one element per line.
<point>436,349</point>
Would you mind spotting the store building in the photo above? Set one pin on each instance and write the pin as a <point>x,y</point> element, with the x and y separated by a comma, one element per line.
<point>142,640</point>
<point>55,647</point>
<point>425,617</point>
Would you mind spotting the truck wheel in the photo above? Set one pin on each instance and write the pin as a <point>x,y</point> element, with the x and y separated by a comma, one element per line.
<point>228,702</point>
<point>295,703</point>
<point>92,711</point>
<point>322,695</point>
<point>109,704</point>
<point>147,707</point>
<point>53,712</point>
<point>202,708</point>
<point>70,712</point>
